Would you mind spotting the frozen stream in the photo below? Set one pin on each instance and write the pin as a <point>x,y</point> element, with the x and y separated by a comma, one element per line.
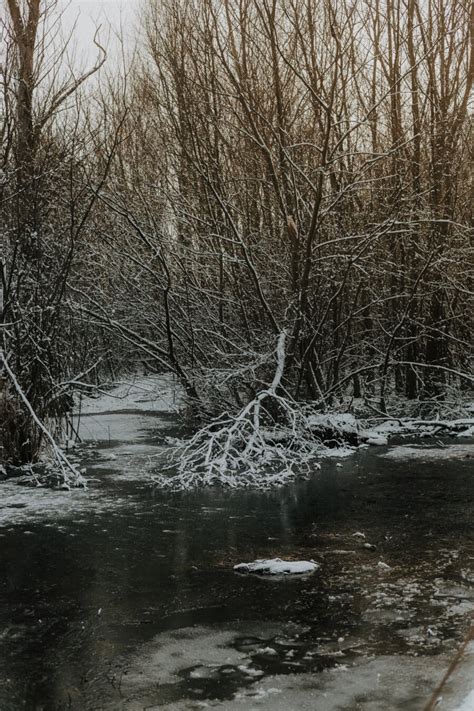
<point>123,597</point>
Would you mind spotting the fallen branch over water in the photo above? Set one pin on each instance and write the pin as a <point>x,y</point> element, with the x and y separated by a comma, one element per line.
<point>265,444</point>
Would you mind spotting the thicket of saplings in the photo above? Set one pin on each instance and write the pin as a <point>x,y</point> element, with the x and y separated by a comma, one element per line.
<point>271,200</point>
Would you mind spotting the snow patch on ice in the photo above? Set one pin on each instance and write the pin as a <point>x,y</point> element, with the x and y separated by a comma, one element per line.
<point>20,504</point>
<point>453,451</point>
<point>161,660</point>
<point>151,393</point>
<point>467,704</point>
<point>338,452</point>
<point>119,427</point>
<point>342,422</point>
<point>467,433</point>
<point>276,566</point>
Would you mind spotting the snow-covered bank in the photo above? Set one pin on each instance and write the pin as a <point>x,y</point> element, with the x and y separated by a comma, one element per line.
<point>163,393</point>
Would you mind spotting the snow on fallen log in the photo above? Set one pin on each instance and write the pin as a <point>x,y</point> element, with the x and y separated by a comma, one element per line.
<point>376,439</point>
<point>277,566</point>
<point>381,433</point>
<point>344,423</point>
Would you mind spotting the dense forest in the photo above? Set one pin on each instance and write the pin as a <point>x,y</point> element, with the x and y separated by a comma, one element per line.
<point>270,199</point>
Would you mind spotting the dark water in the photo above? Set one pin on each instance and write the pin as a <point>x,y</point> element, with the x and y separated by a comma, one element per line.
<point>80,592</point>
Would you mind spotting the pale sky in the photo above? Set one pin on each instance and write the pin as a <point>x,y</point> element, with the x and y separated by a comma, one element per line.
<point>89,14</point>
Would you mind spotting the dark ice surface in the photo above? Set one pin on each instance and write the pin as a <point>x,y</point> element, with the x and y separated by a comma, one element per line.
<point>124,596</point>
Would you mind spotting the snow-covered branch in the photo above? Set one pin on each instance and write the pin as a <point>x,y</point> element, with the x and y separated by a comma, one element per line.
<point>267,443</point>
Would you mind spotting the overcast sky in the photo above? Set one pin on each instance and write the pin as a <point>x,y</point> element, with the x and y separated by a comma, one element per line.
<point>89,14</point>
